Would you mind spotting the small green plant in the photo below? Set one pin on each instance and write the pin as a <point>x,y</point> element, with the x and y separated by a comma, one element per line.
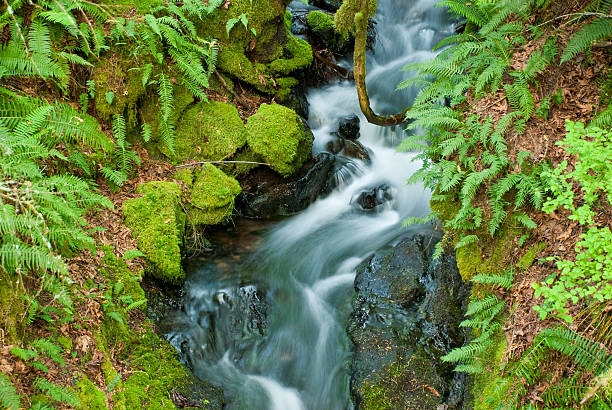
<point>9,399</point>
<point>589,276</point>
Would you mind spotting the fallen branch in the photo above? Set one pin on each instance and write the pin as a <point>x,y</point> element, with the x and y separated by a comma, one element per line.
<point>343,71</point>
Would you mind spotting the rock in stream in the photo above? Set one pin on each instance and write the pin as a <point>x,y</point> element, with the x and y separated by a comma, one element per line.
<point>406,313</point>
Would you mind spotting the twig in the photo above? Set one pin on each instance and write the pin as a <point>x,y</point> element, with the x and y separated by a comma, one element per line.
<point>343,71</point>
<point>576,14</point>
<point>236,96</point>
<point>193,164</point>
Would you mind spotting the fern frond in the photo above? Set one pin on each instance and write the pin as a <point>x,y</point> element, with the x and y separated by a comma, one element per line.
<point>469,10</point>
<point>599,29</point>
<point>9,399</point>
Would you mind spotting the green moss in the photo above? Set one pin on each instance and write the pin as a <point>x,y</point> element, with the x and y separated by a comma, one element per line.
<point>65,343</point>
<point>112,74</point>
<point>212,196</point>
<point>288,19</point>
<point>318,21</point>
<point>278,134</point>
<point>90,396</point>
<point>529,257</point>
<point>209,131</point>
<point>490,387</point>
<point>141,7</point>
<point>184,175</point>
<point>398,386</point>
<point>149,110</point>
<point>117,271</point>
<point>283,93</point>
<point>158,222</point>
<point>236,169</point>
<point>299,56</point>
<point>12,308</point>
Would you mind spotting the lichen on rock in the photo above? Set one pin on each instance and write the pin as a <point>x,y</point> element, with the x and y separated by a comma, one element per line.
<point>158,222</point>
<point>280,136</point>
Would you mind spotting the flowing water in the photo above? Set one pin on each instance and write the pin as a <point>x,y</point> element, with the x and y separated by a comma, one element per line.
<point>298,356</point>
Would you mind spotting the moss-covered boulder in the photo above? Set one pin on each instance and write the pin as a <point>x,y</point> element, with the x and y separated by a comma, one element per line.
<point>248,52</point>
<point>322,26</point>
<point>211,194</point>
<point>280,136</point>
<point>208,131</point>
<point>150,113</point>
<point>117,87</point>
<point>158,223</point>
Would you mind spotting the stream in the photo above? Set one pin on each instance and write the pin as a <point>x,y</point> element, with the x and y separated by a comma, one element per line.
<point>269,325</point>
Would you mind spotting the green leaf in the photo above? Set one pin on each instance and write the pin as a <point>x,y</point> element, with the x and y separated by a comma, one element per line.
<point>110,97</point>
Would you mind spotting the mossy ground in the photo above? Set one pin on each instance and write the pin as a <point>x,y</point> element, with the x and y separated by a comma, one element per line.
<point>153,371</point>
<point>278,134</point>
<point>158,222</point>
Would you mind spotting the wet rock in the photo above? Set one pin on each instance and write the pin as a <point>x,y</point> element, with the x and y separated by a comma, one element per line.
<point>269,199</point>
<point>354,149</point>
<point>348,127</point>
<point>335,145</point>
<point>371,199</point>
<point>406,315</point>
<point>329,5</point>
<point>323,32</point>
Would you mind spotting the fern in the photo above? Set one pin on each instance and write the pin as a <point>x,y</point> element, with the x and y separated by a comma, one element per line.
<point>57,393</point>
<point>589,355</point>
<point>505,280</point>
<point>598,29</point>
<point>466,9</point>
<point>9,399</point>
<point>49,349</point>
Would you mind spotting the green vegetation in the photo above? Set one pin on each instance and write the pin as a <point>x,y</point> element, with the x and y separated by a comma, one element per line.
<point>486,195</point>
<point>590,275</point>
<point>158,222</point>
<point>278,134</point>
<point>210,131</point>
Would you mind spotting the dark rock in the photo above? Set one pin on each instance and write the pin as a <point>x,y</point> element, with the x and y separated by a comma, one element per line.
<point>266,200</point>
<point>354,149</point>
<point>298,27</point>
<point>371,199</point>
<point>348,127</point>
<point>335,145</point>
<point>406,315</point>
<point>329,5</point>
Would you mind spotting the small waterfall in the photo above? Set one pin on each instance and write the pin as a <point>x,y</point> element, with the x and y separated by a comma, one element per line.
<point>307,263</point>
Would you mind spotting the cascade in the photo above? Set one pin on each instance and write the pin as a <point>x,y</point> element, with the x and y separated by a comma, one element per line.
<point>287,348</point>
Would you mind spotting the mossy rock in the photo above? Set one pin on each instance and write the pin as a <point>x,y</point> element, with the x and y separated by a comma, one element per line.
<point>265,18</point>
<point>236,169</point>
<point>158,222</point>
<point>272,77</point>
<point>394,387</point>
<point>280,136</point>
<point>211,195</point>
<point>141,7</point>
<point>322,26</point>
<point>150,111</point>
<point>112,74</point>
<point>208,131</point>
<point>90,396</point>
<point>13,308</point>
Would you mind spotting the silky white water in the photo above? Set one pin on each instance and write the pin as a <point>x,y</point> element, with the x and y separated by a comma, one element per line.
<point>307,263</point>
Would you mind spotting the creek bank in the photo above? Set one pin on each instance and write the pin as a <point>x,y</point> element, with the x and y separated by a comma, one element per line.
<point>406,314</point>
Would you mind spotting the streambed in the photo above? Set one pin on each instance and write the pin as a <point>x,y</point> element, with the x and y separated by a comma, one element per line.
<point>267,320</point>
